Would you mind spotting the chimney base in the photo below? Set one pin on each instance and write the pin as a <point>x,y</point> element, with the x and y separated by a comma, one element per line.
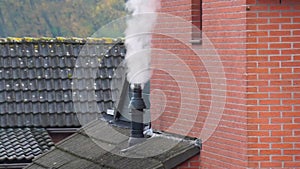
<point>133,141</point>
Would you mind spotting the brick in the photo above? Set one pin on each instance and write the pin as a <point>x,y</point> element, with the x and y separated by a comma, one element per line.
<point>291,126</point>
<point>269,52</point>
<point>281,120</point>
<point>266,2</point>
<point>268,76</point>
<point>252,164</point>
<point>251,52</point>
<point>269,114</point>
<point>251,39</point>
<point>258,108</point>
<point>268,27</point>
<point>290,14</point>
<point>292,164</point>
<point>269,102</point>
<point>282,146</point>
<point>258,146</point>
<point>296,82</point>
<point>291,152</point>
<point>297,108</point>
<point>253,115</point>
<point>257,20</point>
<point>251,89</point>
<point>290,64</point>
<point>291,139</point>
<point>281,82</point>
<point>252,139</point>
<point>268,14</point>
<point>281,70</point>
<point>290,51</point>
<point>296,70</point>
<point>281,133</point>
<point>258,133</point>
<point>252,151</point>
<point>194,163</point>
<point>268,64</point>
<point>291,39</point>
<point>257,95</point>
<point>281,108</point>
<point>270,139</point>
<point>251,64</point>
<point>270,164</point>
<point>269,127</point>
<point>280,33</point>
<point>280,45</point>
<point>291,88</point>
<point>296,32</point>
<point>257,33</point>
<point>282,158</point>
<point>259,158</point>
<point>252,127</point>
<point>292,102</point>
<point>257,45</point>
<point>280,58</point>
<point>257,58</point>
<point>257,70</point>
<point>281,7</point>
<point>252,77</point>
<point>280,20</point>
<point>253,28</point>
<point>269,89</point>
<point>268,39</point>
<point>290,76</point>
<point>270,152</point>
<point>296,45</point>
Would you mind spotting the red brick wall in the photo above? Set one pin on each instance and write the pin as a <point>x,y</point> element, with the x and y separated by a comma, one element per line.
<point>258,43</point>
<point>193,163</point>
<point>273,66</point>
<point>224,24</point>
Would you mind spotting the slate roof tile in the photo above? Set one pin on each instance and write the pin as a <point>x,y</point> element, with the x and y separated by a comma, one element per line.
<point>23,144</point>
<point>100,145</point>
<point>45,77</point>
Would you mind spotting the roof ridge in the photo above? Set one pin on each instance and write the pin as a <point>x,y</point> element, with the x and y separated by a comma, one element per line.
<point>106,40</point>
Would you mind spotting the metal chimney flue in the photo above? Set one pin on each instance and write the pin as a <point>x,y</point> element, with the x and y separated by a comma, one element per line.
<point>136,106</point>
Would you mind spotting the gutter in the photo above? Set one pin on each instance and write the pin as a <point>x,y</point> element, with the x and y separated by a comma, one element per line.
<point>13,166</point>
<point>62,130</point>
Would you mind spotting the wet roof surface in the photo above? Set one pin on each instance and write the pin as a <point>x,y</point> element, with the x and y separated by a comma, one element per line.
<point>100,145</point>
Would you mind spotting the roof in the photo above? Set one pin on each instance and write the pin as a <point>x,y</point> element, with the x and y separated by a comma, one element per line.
<point>23,144</point>
<point>101,145</point>
<point>56,82</point>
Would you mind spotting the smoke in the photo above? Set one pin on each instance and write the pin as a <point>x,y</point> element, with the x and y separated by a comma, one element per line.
<point>138,38</point>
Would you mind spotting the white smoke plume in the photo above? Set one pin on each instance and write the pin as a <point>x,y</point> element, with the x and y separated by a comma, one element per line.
<point>138,38</point>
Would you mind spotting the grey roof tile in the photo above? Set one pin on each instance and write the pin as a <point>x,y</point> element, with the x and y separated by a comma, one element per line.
<point>45,77</point>
<point>100,145</point>
<point>23,143</point>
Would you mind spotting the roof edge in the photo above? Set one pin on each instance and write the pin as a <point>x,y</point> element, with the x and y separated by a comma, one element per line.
<point>14,165</point>
<point>181,157</point>
<point>104,40</point>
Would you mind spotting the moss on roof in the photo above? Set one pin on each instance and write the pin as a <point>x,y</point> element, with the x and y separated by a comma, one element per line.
<point>60,40</point>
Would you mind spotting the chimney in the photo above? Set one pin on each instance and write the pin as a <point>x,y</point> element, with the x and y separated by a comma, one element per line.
<point>136,106</point>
